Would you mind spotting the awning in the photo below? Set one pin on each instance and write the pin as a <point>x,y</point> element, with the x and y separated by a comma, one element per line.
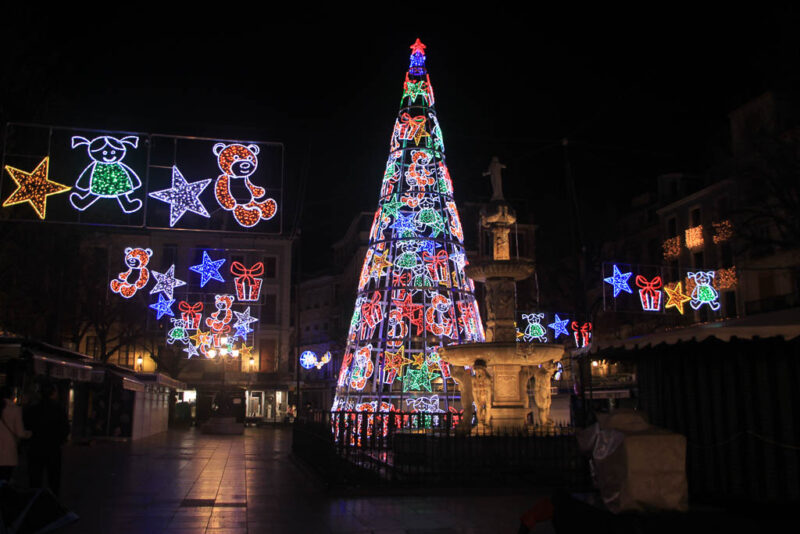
<point>784,323</point>
<point>61,368</point>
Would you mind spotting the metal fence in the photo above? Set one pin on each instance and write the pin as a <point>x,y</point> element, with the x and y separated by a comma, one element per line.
<point>412,448</point>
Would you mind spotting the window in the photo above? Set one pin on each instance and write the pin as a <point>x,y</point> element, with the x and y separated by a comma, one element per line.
<point>672,227</point>
<point>92,346</point>
<point>270,266</point>
<point>730,303</point>
<point>269,312</point>
<point>267,351</point>
<point>727,254</point>
<point>695,217</point>
<point>126,356</point>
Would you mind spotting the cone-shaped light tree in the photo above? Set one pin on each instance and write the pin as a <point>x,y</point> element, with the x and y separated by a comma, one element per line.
<point>413,295</point>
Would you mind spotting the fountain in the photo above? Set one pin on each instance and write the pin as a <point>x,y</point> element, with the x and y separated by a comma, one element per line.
<point>502,366</point>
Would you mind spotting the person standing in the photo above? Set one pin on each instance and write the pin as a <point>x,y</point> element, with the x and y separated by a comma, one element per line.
<point>50,428</point>
<point>11,431</point>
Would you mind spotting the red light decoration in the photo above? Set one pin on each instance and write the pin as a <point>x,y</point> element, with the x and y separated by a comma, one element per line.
<point>136,259</point>
<point>371,315</point>
<point>362,369</point>
<point>239,162</point>
<point>582,333</point>
<point>650,293</point>
<point>248,287</point>
<point>191,314</point>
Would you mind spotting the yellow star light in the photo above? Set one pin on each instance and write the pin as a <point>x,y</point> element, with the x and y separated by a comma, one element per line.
<point>419,359</point>
<point>676,297</point>
<point>244,352</point>
<point>397,361</point>
<point>379,263</point>
<point>201,338</point>
<point>34,187</point>
<point>420,133</point>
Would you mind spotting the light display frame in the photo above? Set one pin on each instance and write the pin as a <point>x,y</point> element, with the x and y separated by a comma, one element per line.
<point>143,165</point>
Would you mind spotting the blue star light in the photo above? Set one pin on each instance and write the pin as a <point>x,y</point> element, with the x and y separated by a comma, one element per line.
<point>619,281</point>
<point>559,326</point>
<point>182,196</point>
<point>242,331</point>
<point>163,306</point>
<point>243,321</point>
<point>428,246</point>
<point>405,225</point>
<point>166,282</point>
<point>208,269</point>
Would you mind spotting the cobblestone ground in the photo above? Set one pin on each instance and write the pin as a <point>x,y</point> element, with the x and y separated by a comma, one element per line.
<point>183,482</point>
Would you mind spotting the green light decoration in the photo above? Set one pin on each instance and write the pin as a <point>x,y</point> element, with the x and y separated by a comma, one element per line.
<point>391,208</point>
<point>418,379</point>
<point>430,218</point>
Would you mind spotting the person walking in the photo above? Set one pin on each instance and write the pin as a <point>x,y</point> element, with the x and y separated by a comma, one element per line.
<point>50,428</point>
<point>11,431</point>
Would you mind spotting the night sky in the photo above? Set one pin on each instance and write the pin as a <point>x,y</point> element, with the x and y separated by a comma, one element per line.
<point>636,93</point>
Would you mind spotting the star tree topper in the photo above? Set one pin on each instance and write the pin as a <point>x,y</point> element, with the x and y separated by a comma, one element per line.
<point>182,196</point>
<point>34,187</point>
<point>418,47</point>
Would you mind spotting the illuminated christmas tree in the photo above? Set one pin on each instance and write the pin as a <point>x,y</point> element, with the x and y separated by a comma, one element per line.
<point>413,295</point>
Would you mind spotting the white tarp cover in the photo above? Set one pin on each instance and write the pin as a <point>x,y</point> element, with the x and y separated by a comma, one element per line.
<point>637,467</point>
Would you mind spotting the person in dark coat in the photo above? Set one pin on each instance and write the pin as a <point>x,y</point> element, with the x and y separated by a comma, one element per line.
<point>49,424</point>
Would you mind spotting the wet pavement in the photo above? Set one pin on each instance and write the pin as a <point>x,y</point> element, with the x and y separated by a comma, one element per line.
<point>184,482</point>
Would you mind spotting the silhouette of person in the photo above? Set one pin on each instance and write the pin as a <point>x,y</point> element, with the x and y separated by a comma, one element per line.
<point>50,427</point>
<point>11,431</point>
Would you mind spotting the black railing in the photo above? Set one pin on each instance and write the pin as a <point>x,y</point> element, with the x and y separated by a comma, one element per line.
<point>412,448</point>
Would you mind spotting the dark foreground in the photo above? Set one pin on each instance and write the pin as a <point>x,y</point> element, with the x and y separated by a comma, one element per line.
<point>185,482</point>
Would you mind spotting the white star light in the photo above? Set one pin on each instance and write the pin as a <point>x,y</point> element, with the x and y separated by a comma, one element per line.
<point>190,349</point>
<point>166,282</point>
<point>243,319</point>
<point>182,196</point>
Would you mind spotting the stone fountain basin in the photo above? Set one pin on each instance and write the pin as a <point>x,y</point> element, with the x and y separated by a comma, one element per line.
<point>512,353</point>
<point>481,271</point>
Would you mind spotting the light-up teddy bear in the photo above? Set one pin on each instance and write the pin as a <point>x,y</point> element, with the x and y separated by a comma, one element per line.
<point>238,163</point>
<point>136,277</point>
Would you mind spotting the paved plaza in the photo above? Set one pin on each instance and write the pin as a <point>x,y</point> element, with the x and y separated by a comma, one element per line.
<point>184,482</point>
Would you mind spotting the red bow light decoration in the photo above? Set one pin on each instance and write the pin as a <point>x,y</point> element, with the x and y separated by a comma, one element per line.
<point>436,264</point>
<point>371,315</point>
<point>650,293</point>
<point>582,333</point>
<point>190,313</point>
<point>248,287</point>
